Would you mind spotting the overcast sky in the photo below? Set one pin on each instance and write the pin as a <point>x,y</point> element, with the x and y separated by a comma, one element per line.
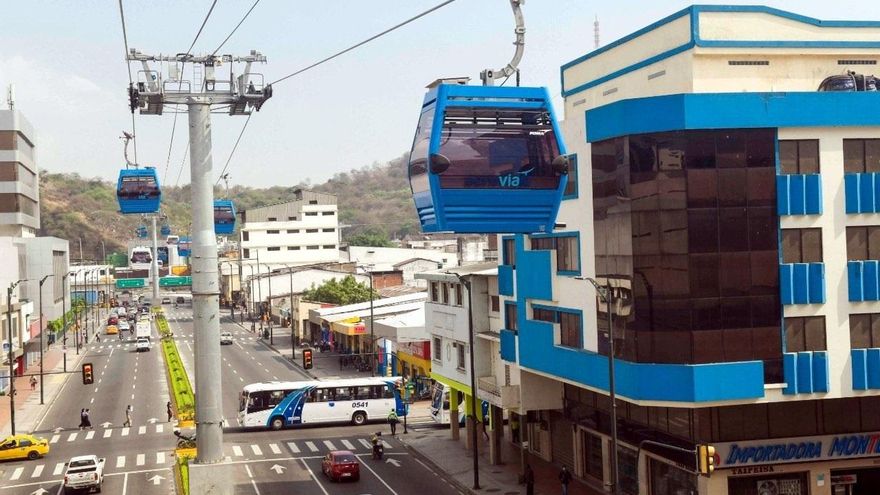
<point>66,59</point>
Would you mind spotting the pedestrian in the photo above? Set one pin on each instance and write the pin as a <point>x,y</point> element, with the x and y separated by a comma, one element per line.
<point>486,426</point>
<point>170,411</point>
<point>87,420</point>
<point>97,337</point>
<point>127,416</point>
<point>514,427</point>
<point>82,418</point>
<point>529,480</point>
<point>33,383</point>
<point>565,479</point>
<point>393,420</point>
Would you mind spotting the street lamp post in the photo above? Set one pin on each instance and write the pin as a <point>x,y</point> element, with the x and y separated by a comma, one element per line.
<point>293,337</point>
<point>368,269</point>
<point>271,332</point>
<point>466,281</point>
<point>64,319</point>
<point>605,294</point>
<point>42,331</point>
<point>11,356</point>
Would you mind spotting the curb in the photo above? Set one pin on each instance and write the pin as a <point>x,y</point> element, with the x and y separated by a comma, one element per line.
<point>435,468</point>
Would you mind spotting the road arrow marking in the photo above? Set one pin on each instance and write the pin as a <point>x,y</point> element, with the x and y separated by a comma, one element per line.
<point>106,425</point>
<point>156,479</point>
<point>152,421</point>
<point>278,469</point>
<point>58,429</point>
<point>39,491</point>
<point>393,462</point>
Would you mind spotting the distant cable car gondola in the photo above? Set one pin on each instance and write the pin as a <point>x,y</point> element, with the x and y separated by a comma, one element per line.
<point>138,191</point>
<point>142,232</point>
<point>487,159</point>
<point>184,246</point>
<point>165,230</point>
<point>224,217</point>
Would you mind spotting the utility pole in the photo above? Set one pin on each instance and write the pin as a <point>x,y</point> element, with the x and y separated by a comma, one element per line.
<point>155,264</point>
<point>238,96</point>
<point>42,331</point>
<point>11,358</point>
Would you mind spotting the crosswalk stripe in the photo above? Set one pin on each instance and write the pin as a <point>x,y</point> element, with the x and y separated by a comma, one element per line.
<point>329,445</point>
<point>160,457</point>
<point>125,431</point>
<point>90,435</point>
<point>293,447</point>
<point>120,461</point>
<point>348,444</point>
<point>58,469</point>
<point>256,449</point>
<point>37,471</point>
<point>55,438</point>
<point>141,459</point>
<point>142,430</point>
<point>107,433</point>
<point>16,474</point>
<point>236,450</point>
<point>365,443</point>
<point>160,428</point>
<point>274,448</point>
<point>312,446</point>
<point>72,437</point>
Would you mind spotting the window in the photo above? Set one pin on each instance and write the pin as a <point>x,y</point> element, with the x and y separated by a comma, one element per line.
<point>799,157</point>
<point>592,455</point>
<point>271,231</point>
<point>444,290</point>
<point>805,334</point>
<point>272,219</point>
<point>864,330</point>
<point>312,247</point>
<point>311,213</point>
<point>566,247</point>
<point>313,201</point>
<point>510,316</point>
<point>668,479</point>
<point>293,248</point>
<point>801,245</point>
<point>494,304</point>
<point>245,235</point>
<point>311,231</point>
<point>328,230</point>
<point>541,314</point>
<point>328,213</point>
<point>435,291</point>
<point>571,185</point>
<point>459,348</point>
<point>437,352</point>
<point>329,246</point>
<point>863,243</point>
<point>292,231</point>
<point>569,324</point>
<point>292,219</point>
<point>275,248</point>
<point>459,295</point>
<point>508,247</point>
<point>861,155</point>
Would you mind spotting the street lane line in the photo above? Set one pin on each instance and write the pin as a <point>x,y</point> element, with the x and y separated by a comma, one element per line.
<point>348,445</point>
<point>236,451</point>
<point>90,435</point>
<point>71,437</point>
<point>54,438</point>
<point>160,457</point>
<point>256,449</point>
<point>125,431</point>
<point>274,448</point>
<point>314,477</point>
<point>16,474</point>
<point>92,401</point>
<point>329,445</point>
<point>58,469</point>
<point>37,471</point>
<point>140,460</point>
<point>312,446</point>
<point>160,428</point>
<point>120,461</point>
<point>366,465</point>
<point>365,443</point>
<point>251,476</point>
<point>293,447</point>
<point>107,433</point>
<point>142,430</point>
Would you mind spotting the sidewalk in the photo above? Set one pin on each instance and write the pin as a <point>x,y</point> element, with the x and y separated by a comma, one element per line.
<point>28,411</point>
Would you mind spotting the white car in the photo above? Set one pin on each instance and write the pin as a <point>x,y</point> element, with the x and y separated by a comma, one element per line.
<point>120,310</point>
<point>85,472</point>
<point>143,344</point>
<point>123,326</point>
<point>225,338</point>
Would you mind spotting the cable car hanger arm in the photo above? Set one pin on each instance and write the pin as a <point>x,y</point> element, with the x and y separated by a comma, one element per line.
<point>489,76</point>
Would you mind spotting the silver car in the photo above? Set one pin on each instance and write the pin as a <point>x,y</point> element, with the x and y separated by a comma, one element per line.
<point>225,338</point>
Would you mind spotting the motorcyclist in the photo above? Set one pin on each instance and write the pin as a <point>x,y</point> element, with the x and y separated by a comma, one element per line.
<point>378,448</point>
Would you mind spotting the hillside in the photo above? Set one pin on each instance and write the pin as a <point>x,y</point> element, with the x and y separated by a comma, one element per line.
<point>372,198</point>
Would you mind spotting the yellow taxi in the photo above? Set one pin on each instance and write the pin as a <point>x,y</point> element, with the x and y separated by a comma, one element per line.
<point>23,446</point>
<point>112,329</point>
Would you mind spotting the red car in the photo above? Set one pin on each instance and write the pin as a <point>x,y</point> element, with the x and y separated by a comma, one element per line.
<point>340,465</point>
<point>113,320</point>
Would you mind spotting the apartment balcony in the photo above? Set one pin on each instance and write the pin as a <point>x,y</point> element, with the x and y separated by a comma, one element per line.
<point>505,396</point>
<point>799,194</point>
<point>802,283</point>
<point>864,280</point>
<point>862,192</point>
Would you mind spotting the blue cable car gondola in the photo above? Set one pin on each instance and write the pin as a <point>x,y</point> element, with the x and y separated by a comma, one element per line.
<point>142,232</point>
<point>184,246</point>
<point>138,191</point>
<point>224,217</point>
<point>165,230</point>
<point>487,159</point>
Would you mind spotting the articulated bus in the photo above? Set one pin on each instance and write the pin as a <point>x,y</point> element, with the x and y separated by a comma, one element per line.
<point>278,404</point>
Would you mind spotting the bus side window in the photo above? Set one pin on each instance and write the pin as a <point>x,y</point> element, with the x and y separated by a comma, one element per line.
<point>312,396</point>
<point>376,391</point>
<point>343,393</point>
<point>324,395</point>
<point>387,393</point>
<point>362,393</point>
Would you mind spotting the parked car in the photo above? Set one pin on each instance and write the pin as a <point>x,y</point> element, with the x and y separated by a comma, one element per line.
<point>225,338</point>
<point>84,472</point>
<point>341,464</point>
<point>142,344</point>
<point>23,446</point>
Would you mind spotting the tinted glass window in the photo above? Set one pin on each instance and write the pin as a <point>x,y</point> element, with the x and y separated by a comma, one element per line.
<point>799,156</point>
<point>418,158</point>
<point>861,155</point>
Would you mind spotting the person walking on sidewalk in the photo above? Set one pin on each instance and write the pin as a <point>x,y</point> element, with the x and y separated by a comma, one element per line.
<point>87,420</point>
<point>393,420</point>
<point>33,383</point>
<point>170,411</point>
<point>529,480</point>
<point>127,416</point>
<point>564,479</point>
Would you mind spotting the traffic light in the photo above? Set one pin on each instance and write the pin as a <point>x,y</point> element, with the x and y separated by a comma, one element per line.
<point>88,375</point>
<point>706,459</point>
<point>307,359</point>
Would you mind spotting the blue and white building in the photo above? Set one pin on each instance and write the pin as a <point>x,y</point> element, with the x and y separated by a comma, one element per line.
<point>734,211</point>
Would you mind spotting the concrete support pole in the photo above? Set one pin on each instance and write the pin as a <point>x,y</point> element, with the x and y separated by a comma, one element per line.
<point>206,290</point>
<point>496,432</point>
<point>453,413</point>
<point>155,267</point>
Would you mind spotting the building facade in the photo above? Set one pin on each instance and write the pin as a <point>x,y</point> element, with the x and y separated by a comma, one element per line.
<point>729,210</point>
<point>19,182</point>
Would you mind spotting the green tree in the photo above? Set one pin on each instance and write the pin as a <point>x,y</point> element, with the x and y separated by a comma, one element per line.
<point>370,239</point>
<point>340,292</point>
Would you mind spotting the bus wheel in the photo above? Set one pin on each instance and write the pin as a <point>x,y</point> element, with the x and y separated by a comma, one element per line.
<point>277,423</point>
<point>358,418</point>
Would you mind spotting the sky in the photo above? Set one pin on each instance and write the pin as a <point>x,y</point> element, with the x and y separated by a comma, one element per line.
<point>66,60</point>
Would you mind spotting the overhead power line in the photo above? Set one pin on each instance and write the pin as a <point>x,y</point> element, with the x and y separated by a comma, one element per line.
<point>234,148</point>
<point>130,81</point>
<point>364,42</point>
<point>236,27</point>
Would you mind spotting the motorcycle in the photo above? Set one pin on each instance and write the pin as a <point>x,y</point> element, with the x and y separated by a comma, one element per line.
<point>378,447</point>
<point>185,441</point>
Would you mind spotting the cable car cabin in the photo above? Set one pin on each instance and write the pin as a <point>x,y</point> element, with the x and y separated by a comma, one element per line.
<point>224,217</point>
<point>138,191</point>
<point>184,247</point>
<point>487,160</point>
<point>142,232</point>
<point>165,230</point>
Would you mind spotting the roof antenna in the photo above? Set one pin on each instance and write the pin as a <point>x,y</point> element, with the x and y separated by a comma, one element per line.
<point>128,137</point>
<point>10,96</point>
<point>489,76</point>
<point>596,32</point>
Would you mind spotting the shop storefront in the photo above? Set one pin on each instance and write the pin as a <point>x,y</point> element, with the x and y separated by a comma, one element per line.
<point>845,464</point>
<point>414,360</point>
<point>346,335</point>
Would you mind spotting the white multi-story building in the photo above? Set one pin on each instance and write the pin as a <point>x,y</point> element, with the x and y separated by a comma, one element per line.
<point>299,232</point>
<point>19,184</point>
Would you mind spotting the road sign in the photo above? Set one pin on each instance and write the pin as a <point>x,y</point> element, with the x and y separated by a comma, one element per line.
<point>175,281</point>
<point>130,283</point>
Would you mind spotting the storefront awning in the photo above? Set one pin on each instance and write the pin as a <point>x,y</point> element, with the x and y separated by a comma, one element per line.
<point>404,327</point>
